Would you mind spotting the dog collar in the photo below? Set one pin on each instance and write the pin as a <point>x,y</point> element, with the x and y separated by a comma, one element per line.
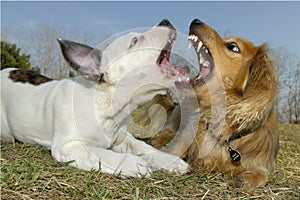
<point>239,136</point>
<point>235,155</point>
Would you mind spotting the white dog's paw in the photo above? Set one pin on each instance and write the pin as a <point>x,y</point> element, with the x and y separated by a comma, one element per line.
<point>164,161</point>
<point>127,165</point>
<point>138,170</point>
<point>179,166</point>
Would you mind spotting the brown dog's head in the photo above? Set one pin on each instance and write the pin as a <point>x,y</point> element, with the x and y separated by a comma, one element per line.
<point>236,59</point>
<point>244,70</point>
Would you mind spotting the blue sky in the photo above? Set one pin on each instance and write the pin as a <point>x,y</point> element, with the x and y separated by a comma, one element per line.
<point>274,22</point>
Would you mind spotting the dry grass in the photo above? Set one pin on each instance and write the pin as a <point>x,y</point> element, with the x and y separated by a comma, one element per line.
<point>29,172</point>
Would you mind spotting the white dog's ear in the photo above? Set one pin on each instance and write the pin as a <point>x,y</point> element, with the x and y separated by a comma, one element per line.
<point>84,59</point>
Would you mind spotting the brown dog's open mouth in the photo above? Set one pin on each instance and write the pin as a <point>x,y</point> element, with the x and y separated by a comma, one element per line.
<point>181,74</point>
<point>206,64</point>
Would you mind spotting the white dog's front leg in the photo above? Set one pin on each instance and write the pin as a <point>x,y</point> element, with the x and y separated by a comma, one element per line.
<point>159,160</point>
<point>88,158</point>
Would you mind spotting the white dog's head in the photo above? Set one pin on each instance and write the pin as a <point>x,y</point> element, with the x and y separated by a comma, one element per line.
<point>125,54</point>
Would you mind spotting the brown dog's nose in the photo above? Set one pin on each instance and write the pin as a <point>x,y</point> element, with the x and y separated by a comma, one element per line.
<point>166,23</point>
<point>196,22</point>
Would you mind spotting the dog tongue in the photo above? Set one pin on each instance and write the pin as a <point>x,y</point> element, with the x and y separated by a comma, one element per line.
<point>181,73</point>
<point>165,62</point>
<point>184,70</point>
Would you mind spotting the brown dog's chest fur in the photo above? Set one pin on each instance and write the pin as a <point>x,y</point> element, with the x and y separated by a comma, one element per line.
<point>258,150</point>
<point>217,160</point>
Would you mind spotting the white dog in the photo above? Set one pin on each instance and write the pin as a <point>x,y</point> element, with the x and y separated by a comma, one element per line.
<point>84,119</point>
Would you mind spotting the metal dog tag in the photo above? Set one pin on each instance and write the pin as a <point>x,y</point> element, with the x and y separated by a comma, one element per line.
<point>234,155</point>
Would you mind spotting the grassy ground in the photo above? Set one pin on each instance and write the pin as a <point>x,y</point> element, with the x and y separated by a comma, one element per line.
<point>29,172</point>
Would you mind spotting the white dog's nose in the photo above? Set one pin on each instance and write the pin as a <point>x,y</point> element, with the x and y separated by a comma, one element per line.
<point>166,23</point>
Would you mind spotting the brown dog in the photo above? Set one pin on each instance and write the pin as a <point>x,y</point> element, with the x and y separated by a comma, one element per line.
<point>250,125</point>
<point>237,131</point>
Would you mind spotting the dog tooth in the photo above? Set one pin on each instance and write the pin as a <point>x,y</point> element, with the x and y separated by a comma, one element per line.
<point>200,57</point>
<point>202,61</point>
<point>200,43</point>
<point>206,51</point>
<point>173,36</point>
<point>190,45</point>
<point>199,46</point>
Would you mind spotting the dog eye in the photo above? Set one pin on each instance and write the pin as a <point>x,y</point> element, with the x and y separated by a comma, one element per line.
<point>232,46</point>
<point>133,42</point>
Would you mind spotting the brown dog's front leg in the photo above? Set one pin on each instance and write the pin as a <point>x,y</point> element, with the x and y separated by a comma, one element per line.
<point>250,179</point>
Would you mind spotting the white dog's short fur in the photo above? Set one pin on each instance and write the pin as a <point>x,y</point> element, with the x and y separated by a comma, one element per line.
<point>83,119</point>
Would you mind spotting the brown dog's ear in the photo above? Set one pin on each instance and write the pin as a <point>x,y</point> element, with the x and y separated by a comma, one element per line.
<point>262,69</point>
<point>242,78</point>
<point>253,69</point>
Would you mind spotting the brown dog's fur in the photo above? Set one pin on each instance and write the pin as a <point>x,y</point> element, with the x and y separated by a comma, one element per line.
<point>250,85</point>
<point>247,90</point>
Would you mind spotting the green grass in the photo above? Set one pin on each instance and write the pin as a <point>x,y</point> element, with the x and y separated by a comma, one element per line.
<point>29,172</point>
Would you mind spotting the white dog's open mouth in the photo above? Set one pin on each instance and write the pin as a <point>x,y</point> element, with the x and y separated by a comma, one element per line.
<point>181,74</point>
